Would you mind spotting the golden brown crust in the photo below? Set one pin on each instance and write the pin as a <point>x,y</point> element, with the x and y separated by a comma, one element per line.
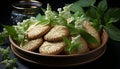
<point>50,48</point>
<point>38,31</point>
<point>57,33</point>
<point>91,30</point>
<point>32,44</point>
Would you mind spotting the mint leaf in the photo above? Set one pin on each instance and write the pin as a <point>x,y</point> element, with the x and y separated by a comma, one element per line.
<point>112,15</point>
<point>102,6</point>
<point>68,43</point>
<point>85,3</point>
<point>11,31</point>
<point>72,29</point>
<point>39,17</point>
<point>113,20</point>
<point>97,24</point>
<point>92,13</point>
<point>76,7</point>
<point>73,44</point>
<point>44,22</point>
<point>78,14</point>
<point>113,32</point>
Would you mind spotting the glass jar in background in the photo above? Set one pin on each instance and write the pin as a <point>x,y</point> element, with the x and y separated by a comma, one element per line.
<point>24,9</point>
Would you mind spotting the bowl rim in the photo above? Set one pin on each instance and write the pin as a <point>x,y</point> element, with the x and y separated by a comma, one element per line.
<point>18,55</point>
<point>104,33</point>
<point>32,61</point>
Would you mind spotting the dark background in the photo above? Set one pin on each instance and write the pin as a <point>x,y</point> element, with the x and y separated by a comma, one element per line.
<point>111,58</point>
<point>5,6</point>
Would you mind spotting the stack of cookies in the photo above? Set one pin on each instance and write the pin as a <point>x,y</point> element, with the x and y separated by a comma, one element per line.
<point>49,40</point>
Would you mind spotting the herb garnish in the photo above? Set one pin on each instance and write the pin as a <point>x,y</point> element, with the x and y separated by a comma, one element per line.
<point>101,15</point>
<point>8,61</point>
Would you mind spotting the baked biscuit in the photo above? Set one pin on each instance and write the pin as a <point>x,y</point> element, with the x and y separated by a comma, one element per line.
<point>57,33</point>
<point>83,48</point>
<point>32,44</point>
<point>50,48</point>
<point>91,30</point>
<point>38,31</point>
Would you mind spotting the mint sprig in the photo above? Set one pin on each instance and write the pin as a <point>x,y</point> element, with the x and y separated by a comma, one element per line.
<point>102,16</point>
<point>72,44</point>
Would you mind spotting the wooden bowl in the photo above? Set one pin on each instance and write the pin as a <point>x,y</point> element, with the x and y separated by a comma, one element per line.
<point>61,60</point>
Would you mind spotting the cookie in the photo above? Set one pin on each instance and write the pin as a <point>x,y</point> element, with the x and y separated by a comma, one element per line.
<point>56,33</point>
<point>91,30</point>
<point>83,48</point>
<point>51,48</point>
<point>38,31</point>
<point>32,44</point>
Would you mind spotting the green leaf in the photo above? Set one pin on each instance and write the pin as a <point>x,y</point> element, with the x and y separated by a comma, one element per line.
<point>11,31</point>
<point>89,38</point>
<point>72,29</point>
<point>102,6</point>
<point>26,25</point>
<point>61,20</point>
<point>76,7</point>
<point>85,3</point>
<point>44,22</point>
<point>78,14</point>
<point>92,13</point>
<point>97,24</point>
<point>71,45</point>
<point>112,13</point>
<point>106,18</point>
<point>39,17</point>
<point>67,41</point>
<point>113,32</point>
<point>113,20</point>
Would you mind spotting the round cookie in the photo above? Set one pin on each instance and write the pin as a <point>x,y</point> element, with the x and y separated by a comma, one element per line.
<point>32,44</point>
<point>91,30</point>
<point>38,31</point>
<point>56,33</point>
<point>50,48</point>
<point>83,48</point>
